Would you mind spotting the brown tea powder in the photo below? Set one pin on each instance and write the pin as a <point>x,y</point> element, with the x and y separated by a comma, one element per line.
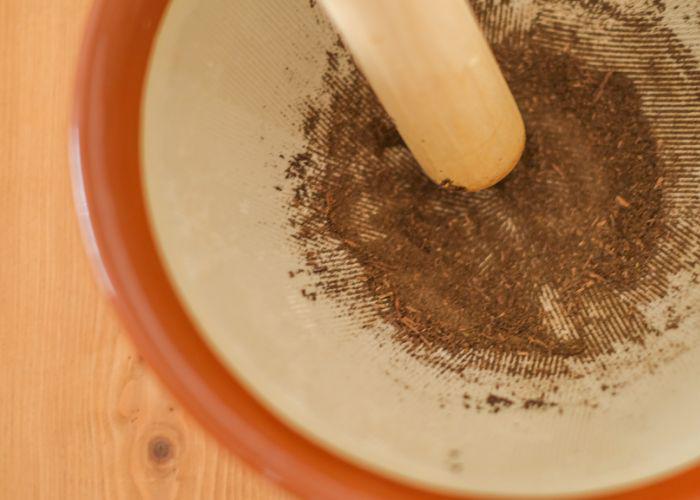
<point>549,265</point>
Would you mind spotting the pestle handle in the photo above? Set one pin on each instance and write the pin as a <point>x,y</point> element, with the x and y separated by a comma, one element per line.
<point>434,73</point>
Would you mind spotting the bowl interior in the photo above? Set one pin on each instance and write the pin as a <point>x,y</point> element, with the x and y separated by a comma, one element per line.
<point>227,102</point>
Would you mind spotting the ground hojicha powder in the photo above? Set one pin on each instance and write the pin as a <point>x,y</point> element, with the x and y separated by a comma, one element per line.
<point>504,278</point>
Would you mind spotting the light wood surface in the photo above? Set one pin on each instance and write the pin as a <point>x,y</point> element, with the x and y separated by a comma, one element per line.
<point>81,417</point>
<point>436,76</point>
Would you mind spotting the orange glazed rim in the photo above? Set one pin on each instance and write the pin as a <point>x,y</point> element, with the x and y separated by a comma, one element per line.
<point>105,136</point>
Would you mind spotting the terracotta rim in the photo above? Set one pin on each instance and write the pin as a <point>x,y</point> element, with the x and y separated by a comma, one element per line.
<point>107,183</point>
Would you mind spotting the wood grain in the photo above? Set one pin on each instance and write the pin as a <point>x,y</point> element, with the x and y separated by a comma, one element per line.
<point>81,417</point>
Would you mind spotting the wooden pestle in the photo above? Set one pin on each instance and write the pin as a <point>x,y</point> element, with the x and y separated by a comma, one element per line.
<point>433,71</point>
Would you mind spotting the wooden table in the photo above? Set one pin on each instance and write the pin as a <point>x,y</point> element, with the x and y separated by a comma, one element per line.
<point>81,417</point>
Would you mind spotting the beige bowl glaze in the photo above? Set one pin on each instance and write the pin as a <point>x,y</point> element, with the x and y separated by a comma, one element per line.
<point>219,108</point>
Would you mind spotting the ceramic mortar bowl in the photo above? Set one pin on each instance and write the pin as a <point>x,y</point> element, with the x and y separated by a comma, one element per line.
<point>184,109</point>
